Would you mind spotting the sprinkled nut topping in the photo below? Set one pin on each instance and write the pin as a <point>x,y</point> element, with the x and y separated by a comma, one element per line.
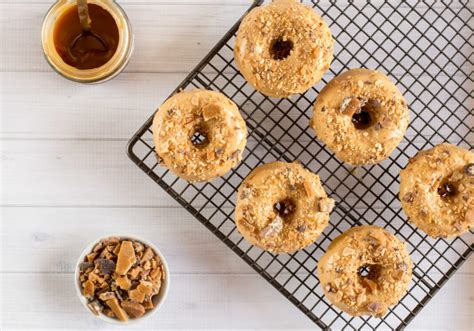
<point>444,189</point>
<point>365,116</point>
<point>199,135</point>
<point>281,207</point>
<point>283,48</point>
<point>365,271</point>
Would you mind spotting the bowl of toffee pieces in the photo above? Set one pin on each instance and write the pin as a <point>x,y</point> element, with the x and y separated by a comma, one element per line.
<point>122,278</point>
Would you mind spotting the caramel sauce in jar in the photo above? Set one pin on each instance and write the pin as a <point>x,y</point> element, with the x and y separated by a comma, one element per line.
<point>88,51</point>
<point>88,57</point>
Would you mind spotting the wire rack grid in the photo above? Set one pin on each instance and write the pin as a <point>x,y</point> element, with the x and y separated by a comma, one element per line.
<point>426,48</point>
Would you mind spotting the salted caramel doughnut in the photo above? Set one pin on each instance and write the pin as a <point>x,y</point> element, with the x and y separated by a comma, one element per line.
<point>365,270</point>
<point>361,116</point>
<point>199,135</point>
<point>281,207</point>
<point>283,48</point>
<point>437,190</point>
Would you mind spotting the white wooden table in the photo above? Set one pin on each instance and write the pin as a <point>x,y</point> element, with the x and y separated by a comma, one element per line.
<point>66,180</point>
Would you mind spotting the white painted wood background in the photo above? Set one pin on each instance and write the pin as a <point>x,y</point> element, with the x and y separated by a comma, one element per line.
<point>66,180</point>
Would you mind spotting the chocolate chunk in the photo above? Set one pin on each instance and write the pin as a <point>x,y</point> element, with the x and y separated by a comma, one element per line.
<point>111,240</point>
<point>85,265</point>
<point>374,307</point>
<point>234,155</point>
<point>118,295</point>
<point>139,247</point>
<point>373,104</point>
<point>469,169</point>
<point>159,159</point>
<point>423,213</point>
<point>95,307</point>
<point>330,289</point>
<point>97,247</point>
<point>402,266</point>
<point>387,122</point>
<point>409,197</point>
<point>301,228</point>
<point>323,109</point>
<point>372,241</point>
<point>106,267</point>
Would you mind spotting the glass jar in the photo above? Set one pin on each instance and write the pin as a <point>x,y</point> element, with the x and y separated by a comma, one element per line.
<point>96,75</point>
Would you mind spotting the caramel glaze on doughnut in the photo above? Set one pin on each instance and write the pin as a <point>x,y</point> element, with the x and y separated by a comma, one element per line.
<point>361,116</point>
<point>365,270</point>
<point>281,207</point>
<point>199,135</point>
<point>283,48</point>
<point>437,190</point>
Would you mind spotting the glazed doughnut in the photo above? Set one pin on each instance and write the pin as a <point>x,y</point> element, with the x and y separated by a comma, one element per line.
<point>281,207</point>
<point>283,48</point>
<point>361,116</point>
<point>365,270</point>
<point>437,190</point>
<point>199,135</point>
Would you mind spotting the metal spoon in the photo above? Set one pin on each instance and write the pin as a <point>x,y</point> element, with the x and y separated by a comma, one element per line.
<point>85,20</point>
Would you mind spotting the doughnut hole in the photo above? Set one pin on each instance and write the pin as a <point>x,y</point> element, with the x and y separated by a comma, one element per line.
<point>280,49</point>
<point>200,137</point>
<point>285,208</point>
<point>447,190</point>
<point>369,275</point>
<point>366,116</point>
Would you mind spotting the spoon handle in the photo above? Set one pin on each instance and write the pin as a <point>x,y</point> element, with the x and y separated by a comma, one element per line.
<point>84,18</point>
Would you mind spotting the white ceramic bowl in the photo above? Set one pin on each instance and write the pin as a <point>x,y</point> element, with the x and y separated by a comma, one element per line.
<point>158,299</point>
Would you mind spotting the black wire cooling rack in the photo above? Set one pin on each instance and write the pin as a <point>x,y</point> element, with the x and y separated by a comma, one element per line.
<point>427,49</point>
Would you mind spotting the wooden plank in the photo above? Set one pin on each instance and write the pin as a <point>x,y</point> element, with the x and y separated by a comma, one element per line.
<point>58,236</point>
<point>170,39</point>
<point>99,173</point>
<point>167,38</point>
<point>114,110</point>
<point>75,173</point>
<point>202,302</point>
<point>108,111</point>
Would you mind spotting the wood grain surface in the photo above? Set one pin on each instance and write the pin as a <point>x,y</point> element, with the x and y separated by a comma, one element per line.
<point>66,180</point>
